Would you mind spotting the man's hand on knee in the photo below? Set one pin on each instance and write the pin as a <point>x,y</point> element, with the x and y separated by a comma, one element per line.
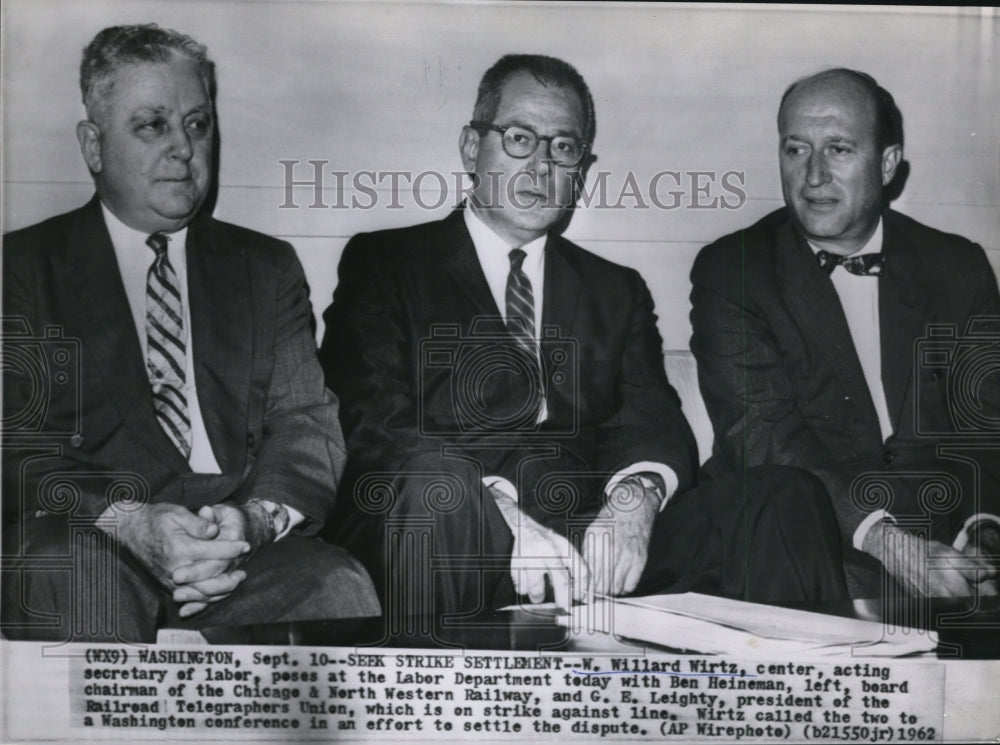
<point>929,568</point>
<point>165,537</point>
<point>211,579</point>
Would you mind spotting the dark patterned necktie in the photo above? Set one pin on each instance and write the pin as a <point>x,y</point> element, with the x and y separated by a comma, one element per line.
<point>521,317</point>
<point>865,265</point>
<point>165,346</point>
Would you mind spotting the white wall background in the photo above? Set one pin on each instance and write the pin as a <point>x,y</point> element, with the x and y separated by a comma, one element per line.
<point>380,86</point>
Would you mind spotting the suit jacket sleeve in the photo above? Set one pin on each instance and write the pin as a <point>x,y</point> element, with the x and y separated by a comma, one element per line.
<point>301,454</point>
<point>41,468</point>
<point>647,423</point>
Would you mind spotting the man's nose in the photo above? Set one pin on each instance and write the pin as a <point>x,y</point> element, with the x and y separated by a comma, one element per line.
<point>180,144</point>
<point>816,170</point>
<point>541,159</point>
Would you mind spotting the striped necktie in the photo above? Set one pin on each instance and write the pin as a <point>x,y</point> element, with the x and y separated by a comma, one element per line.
<point>165,346</point>
<point>521,318</point>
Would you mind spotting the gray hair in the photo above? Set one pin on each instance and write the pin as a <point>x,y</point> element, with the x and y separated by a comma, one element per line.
<point>118,46</point>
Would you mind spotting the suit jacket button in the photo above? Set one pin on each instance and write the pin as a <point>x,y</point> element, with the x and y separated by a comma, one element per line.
<point>76,440</point>
<point>888,457</point>
<point>250,441</point>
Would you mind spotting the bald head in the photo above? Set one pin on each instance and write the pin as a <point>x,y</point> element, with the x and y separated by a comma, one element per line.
<point>838,151</point>
<point>888,121</point>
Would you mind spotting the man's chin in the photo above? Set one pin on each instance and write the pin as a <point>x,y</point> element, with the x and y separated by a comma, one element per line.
<point>540,218</point>
<point>825,227</point>
<point>179,209</point>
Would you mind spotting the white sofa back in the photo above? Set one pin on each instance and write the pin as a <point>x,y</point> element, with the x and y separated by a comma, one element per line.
<point>683,376</point>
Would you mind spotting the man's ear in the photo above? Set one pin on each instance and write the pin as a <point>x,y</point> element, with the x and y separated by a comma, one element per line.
<point>891,158</point>
<point>468,147</point>
<point>580,173</point>
<point>89,136</point>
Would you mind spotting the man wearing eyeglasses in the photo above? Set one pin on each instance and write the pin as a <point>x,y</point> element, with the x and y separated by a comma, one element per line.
<point>511,431</point>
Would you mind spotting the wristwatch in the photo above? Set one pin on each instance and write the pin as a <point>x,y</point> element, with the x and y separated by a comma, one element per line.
<point>272,514</point>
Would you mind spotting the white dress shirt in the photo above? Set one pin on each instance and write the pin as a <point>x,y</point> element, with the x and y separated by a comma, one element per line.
<point>859,299</point>
<point>493,253</point>
<point>134,260</point>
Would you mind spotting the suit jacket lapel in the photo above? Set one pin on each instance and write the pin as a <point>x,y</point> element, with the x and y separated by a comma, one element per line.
<point>559,303</point>
<point>88,278</point>
<point>221,299</point>
<point>901,308</point>
<point>814,303</point>
<point>562,288</point>
<point>461,264</point>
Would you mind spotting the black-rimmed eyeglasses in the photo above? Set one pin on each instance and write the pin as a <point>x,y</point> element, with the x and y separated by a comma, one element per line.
<point>521,142</point>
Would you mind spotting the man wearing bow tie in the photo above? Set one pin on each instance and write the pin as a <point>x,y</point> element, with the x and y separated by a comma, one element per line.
<point>817,333</point>
<point>177,452</point>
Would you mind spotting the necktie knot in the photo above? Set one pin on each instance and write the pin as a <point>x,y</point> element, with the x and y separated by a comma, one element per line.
<point>158,242</point>
<point>517,257</point>
<point>865,265</point>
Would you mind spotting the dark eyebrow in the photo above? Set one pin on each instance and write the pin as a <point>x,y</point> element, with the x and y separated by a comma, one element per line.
<point>146,111</point>
<point>559,132</point>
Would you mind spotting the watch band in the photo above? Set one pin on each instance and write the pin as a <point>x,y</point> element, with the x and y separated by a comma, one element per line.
<point>273,514</point>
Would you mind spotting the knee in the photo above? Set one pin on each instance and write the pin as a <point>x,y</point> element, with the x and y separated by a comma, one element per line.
<point>345,584</point>
<point>428,486</point>
<point>787,488</point>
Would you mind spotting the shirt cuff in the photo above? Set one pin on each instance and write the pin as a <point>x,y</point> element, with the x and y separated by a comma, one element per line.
<point>962,539</point>
<point>861,532</point>
<point>502,484</point>
<point>665,472</point>
<point>294,518</point>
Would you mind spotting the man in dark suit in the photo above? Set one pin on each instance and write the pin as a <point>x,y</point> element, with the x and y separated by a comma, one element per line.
<point>178,448</point>
<point>508,418</point>
<point>843,337</point>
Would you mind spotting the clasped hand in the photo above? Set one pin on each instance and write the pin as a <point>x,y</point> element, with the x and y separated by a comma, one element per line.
<point>196,556</point>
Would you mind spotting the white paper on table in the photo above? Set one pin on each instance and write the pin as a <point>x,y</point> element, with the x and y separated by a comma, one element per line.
<point>713,625</point>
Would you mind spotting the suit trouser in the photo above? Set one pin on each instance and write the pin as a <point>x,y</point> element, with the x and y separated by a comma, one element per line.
<point>769,536</point>
<point>74,583</point>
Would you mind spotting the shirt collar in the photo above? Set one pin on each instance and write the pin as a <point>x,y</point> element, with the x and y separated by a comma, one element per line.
<point>489,244</point>
<point>123,236</point>
<point>873,246</point>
